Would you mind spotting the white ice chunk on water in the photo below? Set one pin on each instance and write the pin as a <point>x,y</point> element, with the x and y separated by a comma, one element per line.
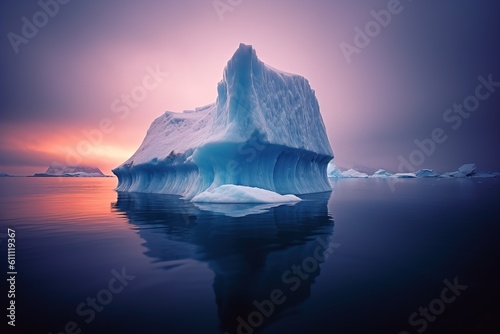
<point>229,193</point>
<point>351,173</point>
<point>381,173</point>
<point>333,171</point>
<point>265,130</point>
<point>463,171</point>
<point>468,169</point>
<point>426,173</point>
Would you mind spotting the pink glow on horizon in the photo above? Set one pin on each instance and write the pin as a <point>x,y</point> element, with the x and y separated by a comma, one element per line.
<point>79,67</point>
<point>84,78</point>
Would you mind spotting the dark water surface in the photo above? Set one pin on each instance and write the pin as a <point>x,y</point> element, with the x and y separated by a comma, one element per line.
<point>363,259</point>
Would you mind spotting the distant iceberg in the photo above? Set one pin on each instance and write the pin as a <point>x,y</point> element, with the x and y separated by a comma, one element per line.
<point>381,173</point>
<point>265,130</point>
<point>467,170</point>
<point>333,171</point>
<point>60,170</point>
<point>354,174</point>
<point>463,171</point>
<point>426,173</point>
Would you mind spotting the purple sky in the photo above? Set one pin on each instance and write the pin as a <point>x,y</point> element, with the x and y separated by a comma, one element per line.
<point>63,81</point>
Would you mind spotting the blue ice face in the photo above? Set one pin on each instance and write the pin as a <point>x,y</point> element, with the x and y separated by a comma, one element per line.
<point>265,130</point>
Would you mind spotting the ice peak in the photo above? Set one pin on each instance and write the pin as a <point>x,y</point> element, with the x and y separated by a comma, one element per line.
<point>245,53</point>
<point>241,64</point>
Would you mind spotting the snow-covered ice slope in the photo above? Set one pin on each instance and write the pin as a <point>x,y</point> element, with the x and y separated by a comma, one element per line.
<point>265,130</point>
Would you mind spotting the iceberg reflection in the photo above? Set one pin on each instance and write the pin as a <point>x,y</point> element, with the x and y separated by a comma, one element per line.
<point>252,255</point>
<point>238,210</point>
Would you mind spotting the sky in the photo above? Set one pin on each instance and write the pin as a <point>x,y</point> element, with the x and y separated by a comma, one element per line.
<point>385,73</point>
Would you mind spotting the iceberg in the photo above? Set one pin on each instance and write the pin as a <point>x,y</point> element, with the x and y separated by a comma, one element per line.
<point>463,171</point>
<point>60,170</point>
<point>468,169</point>
<point>426,173</point>
<point>352,173</point>
<point>333,171</point>
<point>381,173</point>
<point>265,130</point>
<point>229,193</point>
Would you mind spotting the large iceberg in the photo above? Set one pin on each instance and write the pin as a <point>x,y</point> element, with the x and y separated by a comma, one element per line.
<point>265,130</point>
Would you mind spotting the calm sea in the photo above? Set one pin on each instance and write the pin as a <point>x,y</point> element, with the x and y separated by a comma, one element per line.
<point>421,255</point>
